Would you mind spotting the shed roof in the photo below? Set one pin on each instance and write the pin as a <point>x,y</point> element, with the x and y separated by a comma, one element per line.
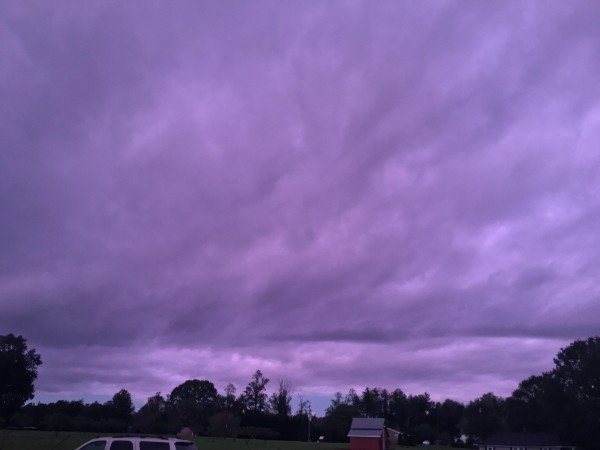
<point>365,433</point>
<point>367,423</point>
<point>524,439</point>
<point>366,427</point>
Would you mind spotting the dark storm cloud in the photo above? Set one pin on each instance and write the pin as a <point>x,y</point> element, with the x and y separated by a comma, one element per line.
<point>340,193</point>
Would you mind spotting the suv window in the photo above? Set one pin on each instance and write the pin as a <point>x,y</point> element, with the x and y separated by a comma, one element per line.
<point>96,445</point>
<point>154,445</point>
<point>121,445</point>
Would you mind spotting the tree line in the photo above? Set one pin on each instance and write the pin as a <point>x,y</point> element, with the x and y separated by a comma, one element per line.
<point>565,400</point>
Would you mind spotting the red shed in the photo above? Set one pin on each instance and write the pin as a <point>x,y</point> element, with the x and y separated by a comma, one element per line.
<point>368,434</point>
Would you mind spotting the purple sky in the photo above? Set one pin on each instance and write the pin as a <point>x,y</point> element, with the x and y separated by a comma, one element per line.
<point>340,194</point>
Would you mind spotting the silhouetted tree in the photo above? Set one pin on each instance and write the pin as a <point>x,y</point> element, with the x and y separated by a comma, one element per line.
<point>280,401</point>
<point>448,415</point>
<point>303,406</point>
<point>536,405</point>
<point>578,373</point>
<point>303,418</point>
<point>338,419</point>
<point>337,400</point>
<point>418,410</point>
<point>485,416</point>
<point>254,398</point>
<point>191,404</point>
<point>18,371</point>
<point>228,400</point>
<point>398,404</point>
<point>566,399</point>
<point>371,403</point>
<point>152,417</point>
<point>352,398</point>
<point>122,408</point>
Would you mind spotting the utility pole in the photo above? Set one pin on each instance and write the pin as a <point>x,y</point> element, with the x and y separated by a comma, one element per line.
<point>309,415</point>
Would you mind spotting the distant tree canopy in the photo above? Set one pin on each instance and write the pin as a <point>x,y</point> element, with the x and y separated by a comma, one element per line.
<point>112,416</point>
<point>18,371</point>
<point>565,399</point>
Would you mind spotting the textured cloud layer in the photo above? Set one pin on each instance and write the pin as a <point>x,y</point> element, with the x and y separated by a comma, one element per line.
<point>341,193</point>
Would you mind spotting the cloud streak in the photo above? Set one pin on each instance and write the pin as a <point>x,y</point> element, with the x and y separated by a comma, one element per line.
<point>343,194</point>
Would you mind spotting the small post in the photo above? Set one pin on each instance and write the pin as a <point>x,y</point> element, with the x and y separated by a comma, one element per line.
<point>309,415</point>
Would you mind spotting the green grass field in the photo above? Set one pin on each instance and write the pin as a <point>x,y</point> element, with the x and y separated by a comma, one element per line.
<point>49,440</point>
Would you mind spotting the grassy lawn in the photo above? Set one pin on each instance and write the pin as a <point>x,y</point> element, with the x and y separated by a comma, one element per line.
<point>49,440</point>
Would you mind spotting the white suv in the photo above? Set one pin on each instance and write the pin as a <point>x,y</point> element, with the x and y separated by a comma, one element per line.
<point>137,443</point>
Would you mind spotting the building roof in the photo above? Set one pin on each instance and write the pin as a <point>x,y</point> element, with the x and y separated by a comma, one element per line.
<point>366,427</point>
<point>367,423</point>
<point>365,433</point>
<point>523,439</point>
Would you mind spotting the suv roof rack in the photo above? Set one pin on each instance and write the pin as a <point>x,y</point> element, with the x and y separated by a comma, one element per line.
<point>142,436</point>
